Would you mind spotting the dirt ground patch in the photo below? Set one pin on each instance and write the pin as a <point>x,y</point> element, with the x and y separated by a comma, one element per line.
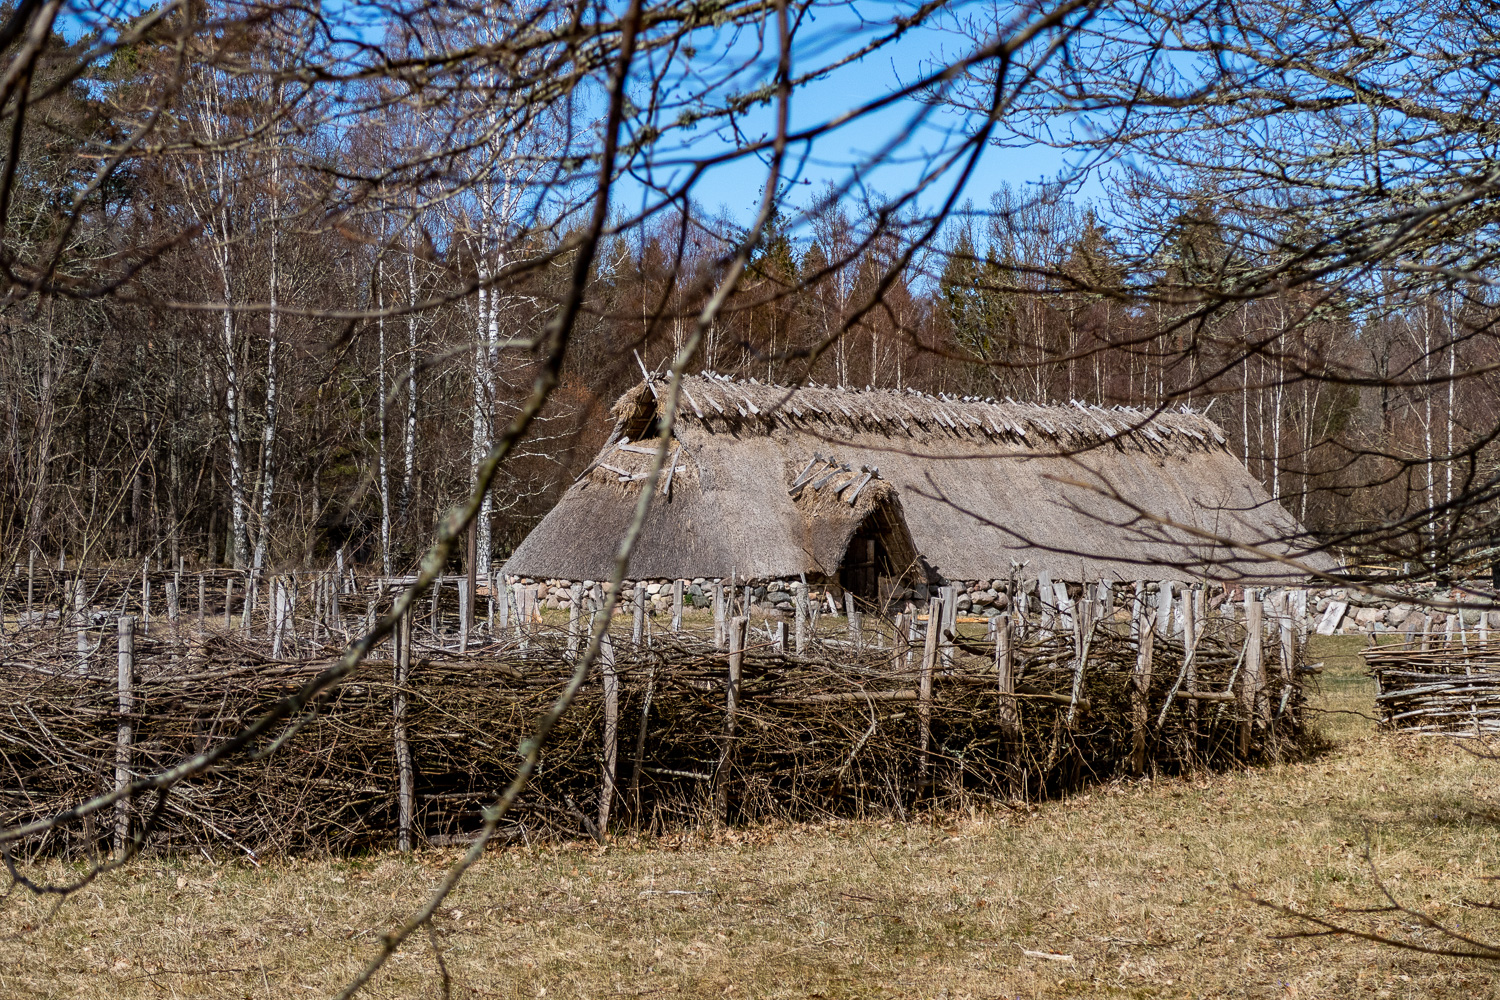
<point>1128,890</point>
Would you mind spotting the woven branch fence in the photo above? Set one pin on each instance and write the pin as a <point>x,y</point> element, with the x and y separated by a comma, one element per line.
<point>676,730</point>
<point>1440,683</point>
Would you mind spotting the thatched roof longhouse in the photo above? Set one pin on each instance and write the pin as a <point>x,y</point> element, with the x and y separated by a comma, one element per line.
<point>953,489</point>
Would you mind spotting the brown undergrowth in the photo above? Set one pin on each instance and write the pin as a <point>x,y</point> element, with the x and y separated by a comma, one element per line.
<point>1127,890</point>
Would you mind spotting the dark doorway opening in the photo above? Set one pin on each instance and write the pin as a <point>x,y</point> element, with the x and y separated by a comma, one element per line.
<point>878,559</point>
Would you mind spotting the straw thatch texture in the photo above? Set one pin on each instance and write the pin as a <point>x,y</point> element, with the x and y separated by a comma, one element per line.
<point>981,485</point>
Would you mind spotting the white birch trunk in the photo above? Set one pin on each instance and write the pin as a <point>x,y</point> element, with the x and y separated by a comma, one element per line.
<point>385,474</point>
<point>268,436</point>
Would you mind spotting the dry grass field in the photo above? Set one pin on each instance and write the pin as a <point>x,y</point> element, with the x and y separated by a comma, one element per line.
<point>1131,890</point>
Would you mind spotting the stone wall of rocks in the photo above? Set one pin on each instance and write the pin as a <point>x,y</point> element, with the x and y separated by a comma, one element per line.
<point>1407,610</point>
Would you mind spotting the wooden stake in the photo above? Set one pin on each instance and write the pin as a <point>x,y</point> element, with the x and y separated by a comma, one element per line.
<point>640,748</point>
<point>30,583</point>
<point>575,606</point>
<point>1252,677</point>
<point>405,772</point>
<point>676,605</point>
<point>1190,658</point>
<point>466,597</point>
<point>202,602</point>
<point>465,612</point>
<point>924,687</point>
<point>1288,652</point>
<point>1140,690</point>
<point>738,629</point>
<point>125,702</point>
<point>228,601</point>
<point>779,640</point>
<point>81,622</point>
<point>1006,715</point>
<point>146,598</point>
<point>638,629</point>
<point>799,599</point>
<point>611,733</point>
<point>720,619</point>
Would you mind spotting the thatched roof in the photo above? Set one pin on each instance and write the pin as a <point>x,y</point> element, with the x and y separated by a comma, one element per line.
<point>978,484</point>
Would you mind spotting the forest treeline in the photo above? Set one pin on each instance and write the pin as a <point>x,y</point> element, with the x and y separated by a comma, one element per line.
<point>276,327</point>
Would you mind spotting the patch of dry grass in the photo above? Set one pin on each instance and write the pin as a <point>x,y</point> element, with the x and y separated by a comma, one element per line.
<point>1134,882</point>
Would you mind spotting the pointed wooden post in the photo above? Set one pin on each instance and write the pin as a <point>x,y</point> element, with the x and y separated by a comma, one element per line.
<point>1289,651</point>
<point>721,639</point>
<point>81,622</point>
<point>611,734</point>
<point>1252,675</point>
<point>405,772</point>
<point>1007,717</point>
<point>125,703</point>
<point>738,629</point>
<point>676,605</point>
<point>471,581</point>
<point>638,629</point>
<point>924,687</point>
<point>1190,661</point>
<point>146,598</point>
<point>1140,691</point>
<point>575,607</point>
<point>799,599</point>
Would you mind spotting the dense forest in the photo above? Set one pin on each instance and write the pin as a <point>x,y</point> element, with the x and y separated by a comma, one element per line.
<point>266,302</point>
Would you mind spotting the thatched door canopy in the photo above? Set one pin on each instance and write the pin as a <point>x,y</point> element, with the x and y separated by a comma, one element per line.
<point>772,482</point>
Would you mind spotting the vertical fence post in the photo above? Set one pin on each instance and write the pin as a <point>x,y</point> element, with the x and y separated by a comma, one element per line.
<point>720,618</point>
<point>1251,677</point>
<point>799,599</point>
<point>575,607</point>
<point>638,614</point>
<point>174,606</point>
<point>146,597</point>
<point>503,596</point>
<point>81,622</point>
<point>948,621</point>
<point>738,628</point>
<point>471,587</point>
<point>124,704</point>
<point>405,777</point>
<point>30,583</point>
<point>1140,688</point>
<point>489,584</point>
<point>1006,716</point>
<point>1190,661</point>
<point>924,687</point>
<point>202,602</point>
<point>676,605</point>
<point>1289,651</point>
<point>464,604</point>
<point>335,611</point>
<point>611,733</point>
